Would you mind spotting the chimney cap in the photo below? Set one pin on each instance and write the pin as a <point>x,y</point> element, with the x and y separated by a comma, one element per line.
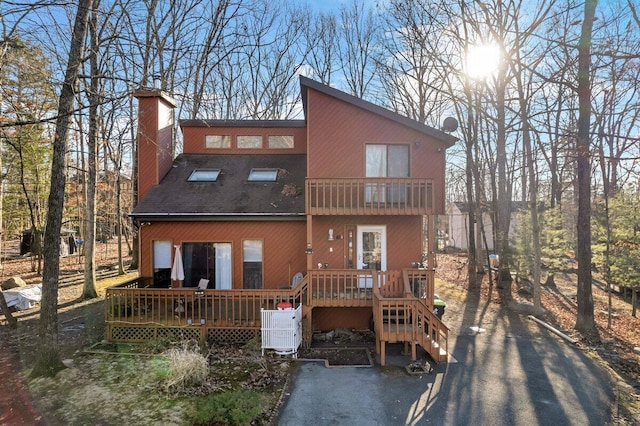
<point>155,93</point>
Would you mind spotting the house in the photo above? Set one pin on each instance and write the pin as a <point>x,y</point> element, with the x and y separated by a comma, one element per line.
<point>341,198</point>
<point>458,225</point>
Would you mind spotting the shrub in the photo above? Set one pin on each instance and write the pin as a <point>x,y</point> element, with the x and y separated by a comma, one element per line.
<point>237,407</point>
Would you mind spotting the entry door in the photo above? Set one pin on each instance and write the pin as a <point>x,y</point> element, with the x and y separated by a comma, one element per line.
<point>371,251</point>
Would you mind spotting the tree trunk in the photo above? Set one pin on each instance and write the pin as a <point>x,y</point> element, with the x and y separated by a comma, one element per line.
<point>504,196</point>
<point>89,287</point>
<point>48,360</point>
<point>119,222</point>
<point>472,135</point>
<point>585,322</point>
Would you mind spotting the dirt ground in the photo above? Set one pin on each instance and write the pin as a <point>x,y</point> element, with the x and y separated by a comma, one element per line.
<point>81,324</point>
<point>17,351</point>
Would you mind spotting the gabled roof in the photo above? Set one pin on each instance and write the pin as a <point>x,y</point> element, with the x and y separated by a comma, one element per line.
<point>307,83</point>
<point>231,196</point>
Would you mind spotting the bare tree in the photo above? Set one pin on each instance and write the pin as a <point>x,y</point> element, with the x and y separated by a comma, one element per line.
<point>413,63</point>
<point>8,38</point>
<point>358,33</point>
<point>585,322</point>
<point>323,57</point>
<point>273,56</point>
<point>89,287</point>
<point>213,49</point>
<point>48,360</point>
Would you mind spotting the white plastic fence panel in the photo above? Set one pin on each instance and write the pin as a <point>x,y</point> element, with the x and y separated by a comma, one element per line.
<point>282,330</point>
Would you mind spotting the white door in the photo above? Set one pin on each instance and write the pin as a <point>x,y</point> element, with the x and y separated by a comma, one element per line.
<point>371,250</point>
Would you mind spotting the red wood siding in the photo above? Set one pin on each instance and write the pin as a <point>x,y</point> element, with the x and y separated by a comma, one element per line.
<point>404,234</point>
<point>194,139</point>
<point>326,319</point>
<point>147,134</point>
<point>338,131</point>
<point>284,245</point>
<point>155,142</point>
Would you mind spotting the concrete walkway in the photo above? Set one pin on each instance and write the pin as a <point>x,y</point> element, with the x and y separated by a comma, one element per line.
<point>507,370</point>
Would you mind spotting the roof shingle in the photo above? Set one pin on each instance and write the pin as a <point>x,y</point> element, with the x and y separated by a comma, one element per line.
<point>232,194</point>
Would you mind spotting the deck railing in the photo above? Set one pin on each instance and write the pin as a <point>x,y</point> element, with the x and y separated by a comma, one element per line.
<point>420,284</point>
<point>400,300</point>
<point>133,303</point>
<point>369,196</point>
<point>391,284</point>
<point>340,287</point>
<point>410,320</point>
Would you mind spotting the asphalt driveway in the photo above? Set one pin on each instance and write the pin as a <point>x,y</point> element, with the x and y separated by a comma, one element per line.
<point>507,371</point>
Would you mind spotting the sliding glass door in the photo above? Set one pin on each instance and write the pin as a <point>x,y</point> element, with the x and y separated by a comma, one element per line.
<point>211,261</point>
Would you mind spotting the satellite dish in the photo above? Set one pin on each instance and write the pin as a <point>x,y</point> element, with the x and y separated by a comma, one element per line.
<point>450,124</point>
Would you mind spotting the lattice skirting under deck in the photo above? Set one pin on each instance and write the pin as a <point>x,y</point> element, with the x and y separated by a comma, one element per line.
<point>140,334</point>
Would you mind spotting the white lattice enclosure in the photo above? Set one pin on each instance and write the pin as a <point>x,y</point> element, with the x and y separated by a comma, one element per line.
<point>282,330</point>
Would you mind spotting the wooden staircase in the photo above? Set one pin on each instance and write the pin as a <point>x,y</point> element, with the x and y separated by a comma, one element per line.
<point>398,315</point>
<point>408,319</point>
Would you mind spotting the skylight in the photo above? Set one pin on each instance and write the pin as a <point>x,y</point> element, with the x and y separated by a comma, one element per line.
<point>263,175</point>
<point>204,175</point>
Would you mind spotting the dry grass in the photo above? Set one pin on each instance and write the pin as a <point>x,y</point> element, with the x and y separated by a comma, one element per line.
<point>188,368</point>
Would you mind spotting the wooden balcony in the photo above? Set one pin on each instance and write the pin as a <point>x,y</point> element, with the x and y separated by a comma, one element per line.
<point>369,196</point>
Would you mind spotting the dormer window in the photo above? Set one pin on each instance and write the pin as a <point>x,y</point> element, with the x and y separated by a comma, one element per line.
<point>204,175</point>
<point>263,175</point>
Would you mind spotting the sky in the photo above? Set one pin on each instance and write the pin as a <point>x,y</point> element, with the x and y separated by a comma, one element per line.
<point>326,5</point>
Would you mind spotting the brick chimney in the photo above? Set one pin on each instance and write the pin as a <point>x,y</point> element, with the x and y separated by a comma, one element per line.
<point>155,137</point>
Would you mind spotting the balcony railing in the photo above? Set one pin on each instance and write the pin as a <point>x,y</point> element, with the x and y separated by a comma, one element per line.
<point>369,196</point>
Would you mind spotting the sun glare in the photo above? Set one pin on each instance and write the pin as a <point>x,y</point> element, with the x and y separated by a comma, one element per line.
<point>482,60</point>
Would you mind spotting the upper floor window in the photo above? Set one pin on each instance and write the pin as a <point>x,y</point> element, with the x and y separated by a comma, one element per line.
<point>280,142</point>
<point>263,175</point>
<point>386,160</point>
<point>249,141</point>
<point>204,175</point>
<point>217,141</point>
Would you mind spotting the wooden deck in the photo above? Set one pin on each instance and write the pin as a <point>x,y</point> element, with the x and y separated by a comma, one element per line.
<point>401,303</point>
